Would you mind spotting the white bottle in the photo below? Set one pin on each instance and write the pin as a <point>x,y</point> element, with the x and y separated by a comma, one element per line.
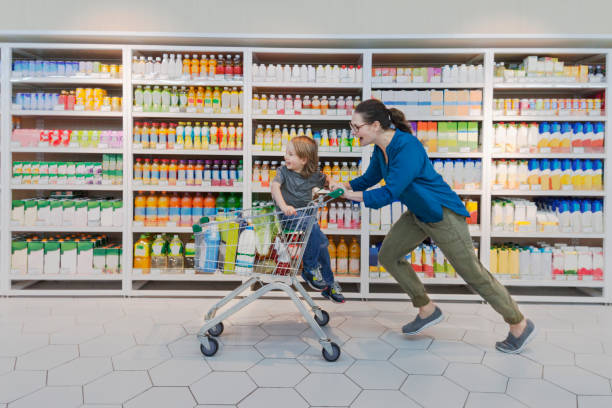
<point>446,73</point>
<point>351,75</point>
<point>320,77</point>
<point>471,74</point>
<point>500,137</point>
<point>348,215</point>
<point>178,66</point>
<point>449,172</point>
<point>142,66</point>
<point>297,105</point>
<point>333,213</point>
<point>336,75</point>
<point>280,105</point>
<point>312,74</point>
<point>303,73</point>
<point>328,73</point>
<point>135,65</point>
<point>286,74</point>
<point>522,144</point>
<point>463,73</point>
<point>245,255</point>
<point>271,105</point>
<point>513,175</point>
<point>295,74</point>
<point>157,67</point>
<point>454,74</point>
<point>149,69</point>
<point>163,69</point>
<point>511,138</point>
<point>279,73</point>
<point>271,73</point>
<point>459,174</point>
<point>479,73</point>
<point>533,137</point>
<point>359,74</point>
<point>597,216</point>
<point>523,172</point>
<point>501,174</point>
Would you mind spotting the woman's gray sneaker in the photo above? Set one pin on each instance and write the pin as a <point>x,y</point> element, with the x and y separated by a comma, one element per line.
<point>418,324</point>
<point>514,345</point>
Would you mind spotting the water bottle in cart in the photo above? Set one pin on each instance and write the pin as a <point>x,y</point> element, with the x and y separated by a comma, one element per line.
<point>245,258</point>
<point>210,249</point>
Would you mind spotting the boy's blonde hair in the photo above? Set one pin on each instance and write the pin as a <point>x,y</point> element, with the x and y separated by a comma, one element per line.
<point>306,149</point>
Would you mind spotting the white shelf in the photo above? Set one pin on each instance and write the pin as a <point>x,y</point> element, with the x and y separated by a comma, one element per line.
<point>428,85</point>
<point>548,156</point>
<point>187,152</point>
<point>347,279</point>
<point>256,152</point>
<point>64,229</point>
<point>89,114</point>
<point>219,277</point>
<point>468,192</point>
<point>545,85</point>
<point>72,150</point>
<point>565,235</point>
<point>79,187</point>
<point>430,118</point>
<point>541,118</point>
<point>455,155</point>
<point>341,231</point>
<point>195,189</point>
<point>555,193</point>
<point>307,85</point>
<point>67,81</point>
<point>304,118</point>
<point>505,282</point>
<point>187,115</point>
<point>475,231</point>
<point>179,82</point>
<point>162,230</point>
<point>107,277</point>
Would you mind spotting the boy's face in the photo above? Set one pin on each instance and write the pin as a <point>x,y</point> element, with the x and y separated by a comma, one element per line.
<point>292,161</point>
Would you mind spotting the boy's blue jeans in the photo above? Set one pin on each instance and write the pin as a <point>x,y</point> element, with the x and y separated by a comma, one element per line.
<point>317,251</point>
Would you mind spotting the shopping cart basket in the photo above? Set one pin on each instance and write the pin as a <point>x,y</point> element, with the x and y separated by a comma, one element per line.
<point>266,246</point>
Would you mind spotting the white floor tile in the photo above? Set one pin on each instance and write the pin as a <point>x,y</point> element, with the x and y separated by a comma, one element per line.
<point>188,346</point>
<point>394,320</point>
<point>80,371</point>
<point>163,397</point>
<point>274,398</point>
<point>368,349</point>
<point>376,375</point>
<point>242,335</point>
<point>577,380</point>
<point>489,400</point>
<point>18,384</point>
<point>590,401</point>
<point>443,331</point>
<point>281,346</point>
<point>400,341</point>
<point>476,377</point>
<point>328,390</point>
<point>48,325</point>
<point>277,372</point>
<point>313,361</point>
<point>598,364</point>
<point>512,365</point>
<point>47,357</point>
<point>107,345</point>
<point>392,399</point>
<point>179,372</point>
<point>77,334</point>
<point>419,362</point>
<point>547,353</point>
<point>282,326</point>
<point>575,343</point>
<point>12,345</point>
<point>141,357</point>
<point>540,393</point>
<point>433,391</point>
<point>456,351</point>
<point>116,387</point>
<point>7,364</point>
<point>52,397</point>
<point>160,334</point>
<point>362,328</point>
<point>222,388</point>
<point>234,358</point>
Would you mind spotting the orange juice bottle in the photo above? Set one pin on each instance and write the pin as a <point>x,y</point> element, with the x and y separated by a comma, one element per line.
<point>354,256</point>
<point>432,140</point>
<point>151,211</point>
<point>191,97</point>
<point>332,255</point>
<point>198,208</point>
<point>195,66</point>
<point>342,254</point>
<point>222,136</point>
<point>186,207</point>
<point>200,99</point>
<point>186,65</point>
<point>146,172</point>
<point>175,209</point>
<point>181,178</point>
<point>163,172</point>
<point>155,172</point>
<point>138,171</point>
<point>142,254</point>
<point>163,209</point>
<point>203,66</point>
<point>214,136</point>
<point>190,173</point>
<point>327,169</point>
<point>212,66</point>
<point>216,100</point>
<point>172,172</point>
<point>231,136</point>
<point>324,105</point>
<point>145,135</point>
<point>335,172</point>
<point>140,204</point>
<point>171,136</point>
<point>199,172</point>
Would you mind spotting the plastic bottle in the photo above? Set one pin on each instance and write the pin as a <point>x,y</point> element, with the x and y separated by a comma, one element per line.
<point>159,257</point>
<point>140,204</point>
<point>277,139</point>
<point>342,258</point>
<point>190,250</point>
<point>209,205</point>
<point>210,257</point>
<point>197,210</point>
<point>142,254</point>
<point>335,172</point>
<point>354,257</point>
<point>332,255</point>
<point>163,209</point>
<point>245,256</point>
<point>259,136</point>
<point>186,211</point>
<point>151,211</point>
<point>174,211</point>
<point>175,255</point>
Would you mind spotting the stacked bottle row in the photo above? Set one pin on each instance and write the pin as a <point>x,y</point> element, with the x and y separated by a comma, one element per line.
<point>427,260</point>
<point>545,174</point>
<point>548,106</point>
<point>164,255</point>
<point>429,75</point>
<point>201,100</point>
<point>81,99</point>
<point>264,172</point>
<point>547,262</point>
<point>340,216</point>
<point>304,105</point>
<point>182,210</point>
<point>62,254</point>
<point>547,215</point>
<point>67,211</point>
<point>327,140</point>
<point>446,102</point>
<point>109,171</point>
<point>165,172</point>
<point>549,137</point>
<point>79,69</point>
<point>218,68</point>
<point>102,139</point>
<point>345,258</point>
<point>446,137</point>
<point>547,69</point>
<point>322,74</point>
<point>188,136</point>
<point>460,174</point>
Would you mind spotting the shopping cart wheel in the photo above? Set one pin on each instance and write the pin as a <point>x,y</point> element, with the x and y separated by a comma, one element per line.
<point>216,330</point>
<point>335,352</point>
<point>211,348</point>
<point>323,321</point>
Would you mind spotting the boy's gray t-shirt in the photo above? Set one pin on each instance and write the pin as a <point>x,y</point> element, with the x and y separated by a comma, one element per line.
<point>296,189</point>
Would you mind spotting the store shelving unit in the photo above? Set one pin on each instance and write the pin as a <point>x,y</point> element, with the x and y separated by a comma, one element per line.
<point>134,283</point>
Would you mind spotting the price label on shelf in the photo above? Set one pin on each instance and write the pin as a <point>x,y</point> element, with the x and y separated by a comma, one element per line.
<point>497,150</point>
<point>579,150</point>
<point>443,149</point>
<point>465,150</point>
<point>524,150</point>
<point>536,187</point>
<point>105,109</point>
<point>174,109</point>
<point>498,187</point>
<point>567,188</point>
<point>524,187</point>
<point>190,109</point>
<point>545,150</point>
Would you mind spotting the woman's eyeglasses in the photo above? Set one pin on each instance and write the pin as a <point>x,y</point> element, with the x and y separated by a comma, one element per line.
<point>355,128</point>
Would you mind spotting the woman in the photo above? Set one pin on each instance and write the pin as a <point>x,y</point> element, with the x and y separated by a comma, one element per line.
<point>434,210</point>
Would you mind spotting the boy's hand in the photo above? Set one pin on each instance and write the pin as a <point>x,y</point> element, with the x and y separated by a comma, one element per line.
<point>289,210</point>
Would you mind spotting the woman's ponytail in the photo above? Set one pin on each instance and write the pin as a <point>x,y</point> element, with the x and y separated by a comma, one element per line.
<point>374,110</point>
<point>399,120</point>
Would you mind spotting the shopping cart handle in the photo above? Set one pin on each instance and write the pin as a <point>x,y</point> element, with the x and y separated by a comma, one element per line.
<point>336,193</point>
<point>197,227</point>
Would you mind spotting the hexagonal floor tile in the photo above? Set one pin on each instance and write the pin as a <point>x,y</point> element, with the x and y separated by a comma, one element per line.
<point>222,388</point>
<point>280,326</point>
<point>277,372</point>
<point>594,401</point>
<point>400,341</point>
<point>314,362</point>
<point>470,322</point>
<point>175,397</point>
<point>80,371</point>
<point>575,342</point>
<point>234,358</point>
<point>456,351</point>
<point>175,316</point>
<point>391,306</point>
<point>17,384</point>
<point>546,353</point>
<point>476,377</point>
<point>13,345</point>
<point>540,393</point>
<point>77,334</point>
<point>281,347</point>
<point>392,399</point>
<point>124,385</point>
<point>362,328</point>
<point>47,325</point>
<point>60,397</point>
<point>368,349</point>
<point>129,325</point>
<point>47,357</point>
<point>394,320</point>
<point>599,364</point>
<point>179,372</point>
<point>335,334</point>
<point>7,364</point>
<point>317,389</point>
<point>186,347</point>
<point>488,400</point>
<point>433,391</point>
<point>160,334</point>
<point>376,375</point>
<point>141,357</point>
<point>443,331</point>
<point>577,380</point>
<point>484,340</point>
<point>242,335</point>
<point>512,365</point>
<point>273,397</point>
<point>107,345</point>
<point>419,362</point>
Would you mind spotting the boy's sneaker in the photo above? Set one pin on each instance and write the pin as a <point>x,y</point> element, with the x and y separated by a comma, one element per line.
<point>333,292</point>
<point>314,279</point>
<point>418,324</point>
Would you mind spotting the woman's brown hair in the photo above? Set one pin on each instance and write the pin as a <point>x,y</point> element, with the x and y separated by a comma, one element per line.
<point>306,149</point>
<point>374,110</point>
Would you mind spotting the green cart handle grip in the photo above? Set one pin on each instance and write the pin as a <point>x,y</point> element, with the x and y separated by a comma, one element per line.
<point>197,227</point>
<point>336,193</point>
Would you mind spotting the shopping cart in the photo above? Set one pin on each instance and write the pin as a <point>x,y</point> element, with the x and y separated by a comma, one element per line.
<point>267,246</point>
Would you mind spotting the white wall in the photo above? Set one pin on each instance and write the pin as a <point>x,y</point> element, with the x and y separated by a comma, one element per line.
<point>312,16</point>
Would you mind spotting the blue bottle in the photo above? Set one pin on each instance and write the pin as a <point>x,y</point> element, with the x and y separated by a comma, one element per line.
<point>211,252</point>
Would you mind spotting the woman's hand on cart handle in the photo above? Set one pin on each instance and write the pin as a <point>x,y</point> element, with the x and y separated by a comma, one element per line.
<point>288,210</point>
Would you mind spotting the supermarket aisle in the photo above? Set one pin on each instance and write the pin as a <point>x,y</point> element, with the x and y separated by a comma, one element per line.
<point>143,353</point>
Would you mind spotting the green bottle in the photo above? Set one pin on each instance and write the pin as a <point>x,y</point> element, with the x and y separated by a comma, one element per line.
<point>165,99</point>
<point>221,203</point>
<point>147,99</point>
<point>157,99</point>
<point>174,98</point>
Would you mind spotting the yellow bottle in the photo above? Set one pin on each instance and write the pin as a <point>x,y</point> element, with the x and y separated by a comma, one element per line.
<point>285,137</point>
<point>335,172</point>
<point>180,135</point>
<point>226,100</point>
<point>223,139</point>
<point>191,97</point>
<point>277,139</point>
<point>332,256</point>
<point>204,66</point>
<point>197,136</point>
<point>188,136</point>
<point>208,97</point>
<point>327,169</point>
<point>259,136</point>
<point>216,100</point>
<point>142,254</point>
<point>186,65</point>
<point>354,257</point>
<point>342,253</point>
<point>205,135</point>
<point>200,99</point>
<point>235,96</point>
<point>268,138</point>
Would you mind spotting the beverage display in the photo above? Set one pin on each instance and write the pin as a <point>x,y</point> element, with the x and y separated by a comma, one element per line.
<point>549,106</point>
<point>326,105</point>
<point>547,69</point>
<point>109,171</point>
<point>265,171</point>
<point>429,75</point>
<point>445,137</point>
<point>442,102</point>
<point>186,67</point>
<point>460,174</point>
<point>188,136</point>
<point>80,99</point>
<point>322,74</point>
<point>173,172</point>
<point>102,139</point>
<point>212,100</point>
<point>327,140</point>
<point>65,69</point>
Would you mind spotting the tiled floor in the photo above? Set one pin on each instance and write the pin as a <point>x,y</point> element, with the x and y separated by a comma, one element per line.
<point>143,353</point>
